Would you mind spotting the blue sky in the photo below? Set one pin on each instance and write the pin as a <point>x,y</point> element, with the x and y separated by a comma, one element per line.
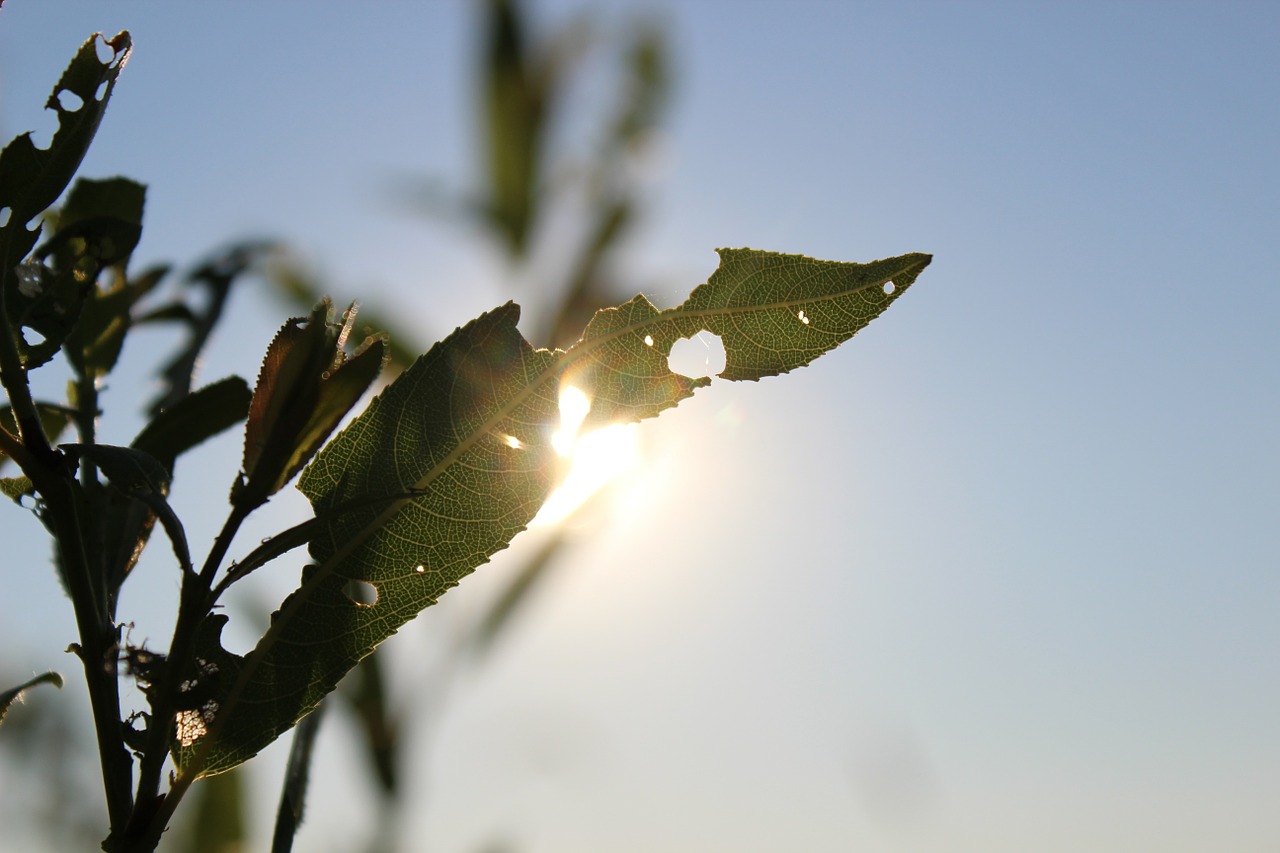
<point>998,575</point>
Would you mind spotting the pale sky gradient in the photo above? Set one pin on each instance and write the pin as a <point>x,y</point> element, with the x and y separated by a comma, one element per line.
<point>998,575</point>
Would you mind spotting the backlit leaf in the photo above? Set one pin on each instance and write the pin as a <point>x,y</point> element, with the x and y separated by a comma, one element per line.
<point>8,697</point>
<point>455,458</point>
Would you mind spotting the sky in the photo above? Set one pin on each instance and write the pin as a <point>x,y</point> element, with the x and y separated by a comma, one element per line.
<point>999,574</point>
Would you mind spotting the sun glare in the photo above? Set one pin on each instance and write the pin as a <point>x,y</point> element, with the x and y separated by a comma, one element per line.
<point>594,458</point>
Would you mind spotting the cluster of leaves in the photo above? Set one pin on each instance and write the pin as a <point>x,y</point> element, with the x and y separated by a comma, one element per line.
<point>442,469</point>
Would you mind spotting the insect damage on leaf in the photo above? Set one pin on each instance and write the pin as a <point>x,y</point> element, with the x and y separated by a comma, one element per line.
<point>454,459</point>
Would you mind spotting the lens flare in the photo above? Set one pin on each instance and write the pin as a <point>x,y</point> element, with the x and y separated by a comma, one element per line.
<point>594,458</point>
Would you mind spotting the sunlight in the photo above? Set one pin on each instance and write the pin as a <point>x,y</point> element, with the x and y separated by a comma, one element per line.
<point>593,459</point>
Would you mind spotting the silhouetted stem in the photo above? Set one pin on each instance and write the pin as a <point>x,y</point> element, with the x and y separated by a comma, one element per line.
<point>97,652</point>
<point>193,606</point>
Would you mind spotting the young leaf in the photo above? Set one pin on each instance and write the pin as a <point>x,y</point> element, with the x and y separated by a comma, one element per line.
<point>459,451</point>
<point>8,697</point>
<point>306,386</point>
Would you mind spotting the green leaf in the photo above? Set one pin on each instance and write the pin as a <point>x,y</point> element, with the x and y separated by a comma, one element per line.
<point>31,179</point>
<point>8,697</point>
<point>454,459</point>
<point>101,219</point>
<point>17,488</point>
<point>195,418</point>
<point>99,226</point>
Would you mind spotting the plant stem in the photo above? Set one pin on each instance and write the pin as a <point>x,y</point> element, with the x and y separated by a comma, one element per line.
<point>62,498</point>
<point>193,606</point>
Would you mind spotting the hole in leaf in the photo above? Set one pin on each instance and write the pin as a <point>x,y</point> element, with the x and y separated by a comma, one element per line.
<point>889,288</point>
<point>5,213</point>
<point>804,318</point>
<point>69,100</point>
<point>361,593</point>
<point>420,569</point>
<point>101,92</point>
<point>701,355</point>
<point>105,52</point>
<point>648,340</point>
<point>42,137</point>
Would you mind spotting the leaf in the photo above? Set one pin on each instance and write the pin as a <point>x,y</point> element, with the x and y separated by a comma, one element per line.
<point>31,179</point>
<point>195,418</point>
<point>8,697</point>
<point>365,690</point>
<point>216,276</point>
<point>17,488</point>
<point>99,226</point>
<point>522,87</point>
<point>136,474</point>
<point>306,386</point>
<point>101,219</point>
<point>297,773</point>
<point>454,459</point>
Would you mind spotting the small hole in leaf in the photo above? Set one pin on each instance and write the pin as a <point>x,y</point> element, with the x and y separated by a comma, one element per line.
<point>420,569</point>
<point>803,317</point>
<point>69,100</point>
<point>361,593</point>
<point>648,340</point>
<point>701,355</point>
<point>889,288</point>
<point>5,213</point>
<point>101,91</point>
